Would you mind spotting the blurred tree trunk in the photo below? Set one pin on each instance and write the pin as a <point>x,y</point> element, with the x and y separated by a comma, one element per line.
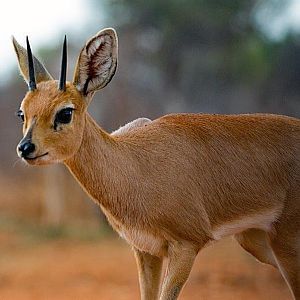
<point>53,197</point>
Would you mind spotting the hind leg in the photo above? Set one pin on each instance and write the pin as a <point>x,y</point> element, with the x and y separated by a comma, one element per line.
<point>287,253</point>
<point>255,242</point>
<point>285,241</point>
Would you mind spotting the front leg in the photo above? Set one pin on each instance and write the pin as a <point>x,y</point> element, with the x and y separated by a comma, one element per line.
<point>181,259</point>
<point>149,269</point>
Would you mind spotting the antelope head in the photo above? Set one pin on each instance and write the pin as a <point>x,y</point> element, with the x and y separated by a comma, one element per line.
<point>53,112</point>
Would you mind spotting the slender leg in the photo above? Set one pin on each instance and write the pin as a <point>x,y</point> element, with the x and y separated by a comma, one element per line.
<point>256,242</point>
<point>286,249</point>
<point>181,259</point>
<point>287,253</point>
<point>285,240</point>
<point>149,269</point>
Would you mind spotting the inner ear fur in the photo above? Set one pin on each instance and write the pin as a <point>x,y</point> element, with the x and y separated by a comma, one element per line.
<point>97,62</point>
<point>41,73</point>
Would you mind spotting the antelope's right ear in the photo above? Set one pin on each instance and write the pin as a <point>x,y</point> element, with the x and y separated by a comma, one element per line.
<point>97,62</point>
<point>41,74</point>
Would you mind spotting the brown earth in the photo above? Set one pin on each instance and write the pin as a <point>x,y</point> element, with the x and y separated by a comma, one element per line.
<point>105,269</point>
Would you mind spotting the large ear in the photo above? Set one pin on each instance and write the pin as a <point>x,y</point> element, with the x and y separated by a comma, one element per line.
<point>97,62</point>
<point>41,74</point>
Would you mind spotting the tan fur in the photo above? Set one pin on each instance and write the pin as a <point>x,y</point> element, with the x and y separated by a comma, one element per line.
<point>181,181</point>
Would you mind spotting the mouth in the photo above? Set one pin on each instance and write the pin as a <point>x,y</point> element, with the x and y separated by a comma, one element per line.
<point>38,156</point>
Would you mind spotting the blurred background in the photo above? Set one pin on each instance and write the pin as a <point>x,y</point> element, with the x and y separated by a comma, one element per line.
<point>174,56</point>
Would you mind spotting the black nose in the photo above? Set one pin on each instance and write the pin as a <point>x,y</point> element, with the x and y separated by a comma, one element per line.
<point>25,148</point>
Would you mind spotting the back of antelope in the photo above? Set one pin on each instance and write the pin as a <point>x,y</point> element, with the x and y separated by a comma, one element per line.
<point>172,185</point>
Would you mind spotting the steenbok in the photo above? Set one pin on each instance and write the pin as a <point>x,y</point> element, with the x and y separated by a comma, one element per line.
<point>169,186</point>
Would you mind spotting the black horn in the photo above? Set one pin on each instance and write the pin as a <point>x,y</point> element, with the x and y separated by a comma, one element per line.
<point>63,71</point>
<point>31,83</point>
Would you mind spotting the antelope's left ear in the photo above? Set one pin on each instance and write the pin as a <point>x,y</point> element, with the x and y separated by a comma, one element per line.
<point>97,62</point>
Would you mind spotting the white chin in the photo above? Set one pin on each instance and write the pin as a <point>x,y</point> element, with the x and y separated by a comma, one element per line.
<point>43,160</point>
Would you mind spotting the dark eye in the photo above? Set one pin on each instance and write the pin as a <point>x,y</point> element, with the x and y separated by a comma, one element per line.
<point>20,114</point>
<point>64,116</point>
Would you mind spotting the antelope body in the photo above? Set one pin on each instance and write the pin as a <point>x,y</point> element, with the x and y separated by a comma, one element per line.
<point>173,185</point>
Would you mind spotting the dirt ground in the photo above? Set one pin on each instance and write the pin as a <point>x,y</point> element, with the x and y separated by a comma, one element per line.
<point>105,269</point>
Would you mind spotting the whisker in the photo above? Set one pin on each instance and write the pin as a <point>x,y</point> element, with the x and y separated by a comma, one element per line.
<point>16,161</point>
<point>19,160</point>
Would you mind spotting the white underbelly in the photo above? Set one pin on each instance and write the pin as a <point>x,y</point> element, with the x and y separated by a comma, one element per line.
<point>140,239</point>
<point>144,241</point>
<point>259,221</point>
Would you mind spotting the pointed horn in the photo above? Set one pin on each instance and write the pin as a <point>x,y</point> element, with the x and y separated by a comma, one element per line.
<point>63,71</point>
<point>31,82</point>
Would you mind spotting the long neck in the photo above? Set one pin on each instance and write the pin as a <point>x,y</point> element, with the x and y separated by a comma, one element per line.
<point>102,169</point>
